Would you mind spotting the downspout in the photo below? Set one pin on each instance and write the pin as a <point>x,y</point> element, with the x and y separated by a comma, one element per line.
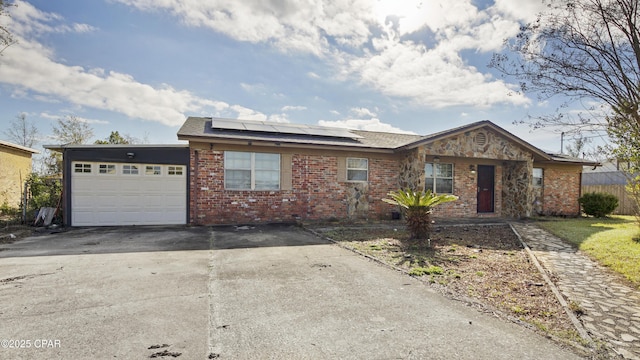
<point>579,193</point>
<point>194,187</point>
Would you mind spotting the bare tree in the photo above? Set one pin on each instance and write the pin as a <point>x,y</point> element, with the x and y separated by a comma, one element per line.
<point>6,38</point>
<point>577,149</point>
<point>22,132</point>
<point>71,130</point>
<point>583,50</point>
<point>587,51</point>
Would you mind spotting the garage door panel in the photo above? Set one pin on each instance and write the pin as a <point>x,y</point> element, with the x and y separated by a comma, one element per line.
<point>119,199</point>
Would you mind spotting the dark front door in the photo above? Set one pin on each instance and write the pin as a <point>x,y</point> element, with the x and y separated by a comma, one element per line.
<point>485,188</point>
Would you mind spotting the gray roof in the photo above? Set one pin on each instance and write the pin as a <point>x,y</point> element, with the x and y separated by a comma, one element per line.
<point>200,128</point>
<point>18,147</point>
<point>567,159</point>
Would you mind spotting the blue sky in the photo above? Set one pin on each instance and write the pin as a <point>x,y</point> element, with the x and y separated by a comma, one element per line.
<point>142,66</point>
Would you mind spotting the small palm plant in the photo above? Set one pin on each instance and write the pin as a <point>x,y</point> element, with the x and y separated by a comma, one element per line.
<point>417,207</point>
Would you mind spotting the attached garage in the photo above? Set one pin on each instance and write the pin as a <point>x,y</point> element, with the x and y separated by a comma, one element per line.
<point>114,185</point>
<point>104,193</point>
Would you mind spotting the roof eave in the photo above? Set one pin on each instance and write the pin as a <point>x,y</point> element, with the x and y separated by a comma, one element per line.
<point>282,144</point>
<point>18,147</point>
<point>475,126</point>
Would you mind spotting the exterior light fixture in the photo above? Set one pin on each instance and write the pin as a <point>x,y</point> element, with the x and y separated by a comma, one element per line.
<point>131,155</point>
<point>472,168</point>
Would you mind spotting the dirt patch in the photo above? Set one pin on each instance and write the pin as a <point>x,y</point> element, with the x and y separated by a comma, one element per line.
<point>484,265</point>
<point>11,233</point>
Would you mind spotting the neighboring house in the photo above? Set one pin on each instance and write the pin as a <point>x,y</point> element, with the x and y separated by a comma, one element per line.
<point>610,178</point>
<point>15,167</point>
<point>251,172</point>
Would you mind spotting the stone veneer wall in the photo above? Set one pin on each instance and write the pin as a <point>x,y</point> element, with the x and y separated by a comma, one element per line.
<point>517,194</point>
<point>316,192</point>
<point>561,190</point>
<point>512,172</point>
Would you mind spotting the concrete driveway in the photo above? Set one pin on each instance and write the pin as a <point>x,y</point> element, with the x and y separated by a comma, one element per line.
<point>266,292</point>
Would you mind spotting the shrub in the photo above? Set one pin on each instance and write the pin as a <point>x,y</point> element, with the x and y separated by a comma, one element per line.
<point>417,206</point>
<point>45,192</point>
<point>598,204</point>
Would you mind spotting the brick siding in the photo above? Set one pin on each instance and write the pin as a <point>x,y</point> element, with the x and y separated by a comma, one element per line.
<point>316,192</point>
<point>561,190</point>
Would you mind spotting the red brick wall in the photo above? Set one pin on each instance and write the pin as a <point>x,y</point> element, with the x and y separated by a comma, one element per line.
<point>316,191</point>
<point>465,186</point>
<point>561,190</point>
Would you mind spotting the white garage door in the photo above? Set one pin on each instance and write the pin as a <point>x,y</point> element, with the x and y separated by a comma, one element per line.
<point>105,194</point>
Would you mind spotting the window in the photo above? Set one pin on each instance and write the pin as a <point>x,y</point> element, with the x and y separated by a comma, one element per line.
<point>251,171</point>
<point>357,169</point>
<point>82,168</point>
<point>537,177</point>
<point>106,169</point>
<point>153,170</point>
<point>174,170</point>
<point>439,178</point>
<point>130,169</point>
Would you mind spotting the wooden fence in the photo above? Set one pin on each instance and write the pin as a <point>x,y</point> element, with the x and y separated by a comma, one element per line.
<point>626,203</point>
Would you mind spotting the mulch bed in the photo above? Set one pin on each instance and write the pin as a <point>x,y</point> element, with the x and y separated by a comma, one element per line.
<point>481,264</point>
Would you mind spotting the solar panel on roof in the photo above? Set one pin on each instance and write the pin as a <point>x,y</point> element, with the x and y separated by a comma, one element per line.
<point>272,127</point>
<point>289,129</point>
<point>228,124</point>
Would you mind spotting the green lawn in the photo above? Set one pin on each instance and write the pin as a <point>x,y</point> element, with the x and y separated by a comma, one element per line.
<point>610,241</point>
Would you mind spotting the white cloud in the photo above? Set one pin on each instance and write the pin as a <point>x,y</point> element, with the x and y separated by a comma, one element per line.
<point>364,124</point>
<point>307,26</point>
<point>432,77</point>
<point>362,112</point>
<point>293,108</point>
<point>247,114</point>
<point>281,118</point>
<point>364,39</point>
<point>32,68</point>
<point>80,118</point>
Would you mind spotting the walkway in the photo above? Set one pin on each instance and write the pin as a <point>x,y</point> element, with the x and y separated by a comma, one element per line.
<point>611,308</point>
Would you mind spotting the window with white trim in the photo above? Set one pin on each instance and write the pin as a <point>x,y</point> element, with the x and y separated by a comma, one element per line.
<point>357,169</point>
<point>538,174</point>
<point>175,170</point>
<point>82,168</point>
<point>153,170</point>
<point>439,178</point>
<point>130,170</point>
<point>251,171</point>
<point>109,169</point>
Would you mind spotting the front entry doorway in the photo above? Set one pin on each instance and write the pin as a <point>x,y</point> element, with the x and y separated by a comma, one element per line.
<point>485,188</point>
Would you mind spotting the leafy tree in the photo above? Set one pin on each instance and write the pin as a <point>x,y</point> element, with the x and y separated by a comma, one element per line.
<point>581,49</point>
<point>22,132</point>
<point>116,138</point>
<point>45,191</point>
<point>6,38</point>
<point>417,207</point>
<point>71,130</point>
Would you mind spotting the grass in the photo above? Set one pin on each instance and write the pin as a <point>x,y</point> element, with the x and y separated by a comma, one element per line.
<point>608,240</point>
